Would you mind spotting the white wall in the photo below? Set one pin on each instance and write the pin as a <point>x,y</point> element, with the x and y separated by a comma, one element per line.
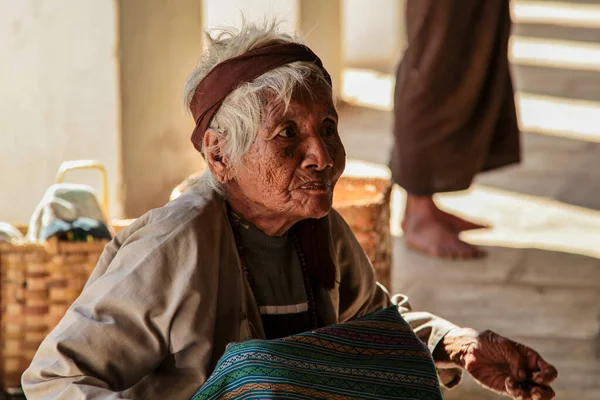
<point>374,35</point>
<point>58,96</point>
<point>60,80</point>
<point>228,12</point>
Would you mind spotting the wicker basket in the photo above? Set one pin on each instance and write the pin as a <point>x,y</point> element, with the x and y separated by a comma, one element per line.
<point>38,282</point>
<point>362,197</point>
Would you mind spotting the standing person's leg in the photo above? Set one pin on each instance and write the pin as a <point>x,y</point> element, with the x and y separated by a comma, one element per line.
<point>454,113</point>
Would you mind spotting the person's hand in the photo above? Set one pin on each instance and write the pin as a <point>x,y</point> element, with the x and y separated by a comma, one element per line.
<point>501,364</point>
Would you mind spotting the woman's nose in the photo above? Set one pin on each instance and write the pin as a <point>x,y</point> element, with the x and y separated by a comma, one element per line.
<point>317,155</point>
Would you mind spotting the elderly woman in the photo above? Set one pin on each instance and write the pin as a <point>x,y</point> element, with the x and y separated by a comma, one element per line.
<point>254,250</point>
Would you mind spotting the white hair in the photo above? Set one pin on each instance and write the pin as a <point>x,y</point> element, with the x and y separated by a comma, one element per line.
<point>238,119</point>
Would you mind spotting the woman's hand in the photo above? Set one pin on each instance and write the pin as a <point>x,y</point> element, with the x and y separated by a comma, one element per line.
<point>500,364</point>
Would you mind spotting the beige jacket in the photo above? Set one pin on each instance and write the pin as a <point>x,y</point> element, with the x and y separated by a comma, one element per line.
<point>168,295</point>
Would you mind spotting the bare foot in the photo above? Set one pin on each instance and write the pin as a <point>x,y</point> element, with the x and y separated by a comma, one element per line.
<point>426,230</point>
<point>458,224</point>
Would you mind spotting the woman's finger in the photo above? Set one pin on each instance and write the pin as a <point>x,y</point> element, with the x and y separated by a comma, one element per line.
<point>542,372</point>
<point>513,389</point>
<point>542,393</point>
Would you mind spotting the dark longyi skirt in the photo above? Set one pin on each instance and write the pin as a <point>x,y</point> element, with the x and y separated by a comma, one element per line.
<point>454,103</point>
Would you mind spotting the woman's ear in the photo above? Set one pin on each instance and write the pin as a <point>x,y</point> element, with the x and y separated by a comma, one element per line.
<point>217,164</point>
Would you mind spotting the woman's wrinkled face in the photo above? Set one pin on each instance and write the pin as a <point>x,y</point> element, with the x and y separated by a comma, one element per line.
<point>297,158</point>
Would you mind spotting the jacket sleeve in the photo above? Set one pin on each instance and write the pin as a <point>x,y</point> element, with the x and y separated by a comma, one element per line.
<point>360,294</point>
<point>120,328</point>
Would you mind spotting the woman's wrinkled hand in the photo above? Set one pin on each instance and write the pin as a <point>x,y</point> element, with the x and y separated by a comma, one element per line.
<point>503,365</point>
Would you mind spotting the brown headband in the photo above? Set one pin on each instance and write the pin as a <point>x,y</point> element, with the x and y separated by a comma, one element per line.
<point>227,76</point>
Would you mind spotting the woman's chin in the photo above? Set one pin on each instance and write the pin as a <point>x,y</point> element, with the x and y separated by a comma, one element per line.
<point>317,206</point>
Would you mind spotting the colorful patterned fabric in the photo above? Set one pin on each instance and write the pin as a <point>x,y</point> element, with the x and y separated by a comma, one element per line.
<point>373,357</point>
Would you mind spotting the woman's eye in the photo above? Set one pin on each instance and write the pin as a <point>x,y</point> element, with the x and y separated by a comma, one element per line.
<point>287,132</point>
<point>330,130</point>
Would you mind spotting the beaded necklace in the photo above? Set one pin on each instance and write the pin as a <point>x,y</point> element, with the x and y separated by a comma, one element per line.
<point>236,222</point>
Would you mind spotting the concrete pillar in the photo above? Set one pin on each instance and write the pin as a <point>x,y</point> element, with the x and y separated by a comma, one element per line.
<point>160,42</point>
<point>374,33</point>
<point>320,23</point>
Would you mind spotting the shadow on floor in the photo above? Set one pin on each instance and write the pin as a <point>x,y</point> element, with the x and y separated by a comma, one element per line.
<point>545,299</point>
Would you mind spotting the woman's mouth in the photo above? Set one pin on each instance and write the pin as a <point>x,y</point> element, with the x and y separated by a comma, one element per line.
<point>316,186</point>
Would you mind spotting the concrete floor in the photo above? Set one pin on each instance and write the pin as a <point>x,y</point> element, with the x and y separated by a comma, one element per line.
<point>540,283</point>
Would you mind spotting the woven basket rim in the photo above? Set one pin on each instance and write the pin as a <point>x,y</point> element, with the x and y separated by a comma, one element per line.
<point>52,246</point>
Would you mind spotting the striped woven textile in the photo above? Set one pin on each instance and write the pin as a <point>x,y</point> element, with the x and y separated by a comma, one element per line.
<point>373,357</point>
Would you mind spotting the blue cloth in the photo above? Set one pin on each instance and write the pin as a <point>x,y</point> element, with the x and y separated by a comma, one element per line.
<point>373,357</point>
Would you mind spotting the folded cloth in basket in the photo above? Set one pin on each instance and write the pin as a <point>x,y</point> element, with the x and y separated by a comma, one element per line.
<point>373,357</point>
<point>9,233</point>
<point>70,211</point>
<point>78,230</point>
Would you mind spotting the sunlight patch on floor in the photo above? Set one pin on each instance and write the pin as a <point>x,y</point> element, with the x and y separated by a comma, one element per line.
<point>517,220</point>
<point>556,13</point>
<point>563,54</point>
<point>575,119</point>
<point>367,88</point>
